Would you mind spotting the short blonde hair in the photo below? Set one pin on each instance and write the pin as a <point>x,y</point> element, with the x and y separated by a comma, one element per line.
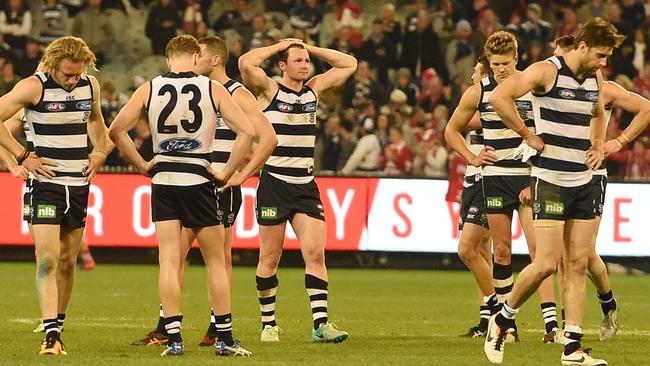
<point>71,48</point>
<point>182,45</point>
<point>500,43</point>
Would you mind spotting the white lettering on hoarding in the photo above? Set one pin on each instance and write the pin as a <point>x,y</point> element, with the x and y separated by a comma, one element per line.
<point>141,228</point>
<point>340,210</point>
<point>96,210</point>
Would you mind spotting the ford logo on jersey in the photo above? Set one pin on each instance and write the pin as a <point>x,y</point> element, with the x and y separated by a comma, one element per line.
<point>524,105</point>
<point>592,96</point>
<point>309,107</point>
<point>55,107</point>
<point>179,144</point>
<point>84,105</point>
<point>567,94</point>
<point>284,107</point>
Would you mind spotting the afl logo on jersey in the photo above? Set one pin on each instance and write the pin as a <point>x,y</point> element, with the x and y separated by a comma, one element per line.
<point>592,96</point>
<point>84,105</point>
<point>309,107</point>
<point>179,144</point>
<point>55,107</point>
<point>284,107</point>
<point>567,94</point>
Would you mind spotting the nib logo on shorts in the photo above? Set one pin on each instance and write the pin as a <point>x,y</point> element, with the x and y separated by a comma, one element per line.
<point>495,202</point>
<point>269,212</point>
<point>554,207</point>
<point>26,210</point>
<point>46,211</point>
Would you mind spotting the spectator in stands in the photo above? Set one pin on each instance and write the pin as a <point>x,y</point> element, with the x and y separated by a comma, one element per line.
<point>412,18</point>
<point>443,22</point>
<point>592,9</point>
<point>55,20</point>
<point>366,113</point>
<point>362,88</point>
<point>621,59</point>
<point>430,159</point>
<point>239,18</point>
<point>9,78</point>
<point>192,16</point>
<point>461,54</point>
<point>6,52</point>
<point>383,129</point>
<point>398,157</point>
<point>379,51</point>
<point>392,27</point>
<point>111,101</point>
<point>342,42</point>
<point>347,143</point>
<point>397,100</point>
<point>95,27</point>
<point>570,23</point>
<point>365,157</point>
<point>27,64</point>
<point>332,143</point>
<point>406,85</point>
<point>308,16</point>
<point>236,50</point>
<point>254,39</point>
<point>535,28</point>
<point>432,94</point>
<point>533,54</point>
<point>349,13</point>
<point>162,23</point>
<point>73,6</point>
<point>16,24</point>
<point>634,13</point>
<point>640,48</point>
<point>421,48</point>
<point>638,161</point>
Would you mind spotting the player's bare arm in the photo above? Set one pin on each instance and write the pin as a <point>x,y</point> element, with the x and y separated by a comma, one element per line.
<point>237,121</point>
<point>13,124</point>
<point>343,66</point>
<point>459,121</point>
<point>26,93</point>
<point>98,134</point>
<point>127,119</point>
<point>539,77</point>
<point>264,135</point>
<point>597,129</point>
<point>254,76</point>
<point>617,96</point>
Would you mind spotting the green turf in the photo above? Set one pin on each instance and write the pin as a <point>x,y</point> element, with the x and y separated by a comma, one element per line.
<point>394,317</point>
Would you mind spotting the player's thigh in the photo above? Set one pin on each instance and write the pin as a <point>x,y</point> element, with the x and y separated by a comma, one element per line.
<point>211,241</point>
<point>579,246</point>
<point>47,241</point>
<point>187,239</point>
<point>272,239</point>
<point>310,232</point>
<point>169,240</point>
<point>472,238</point>
<point>71,240</point>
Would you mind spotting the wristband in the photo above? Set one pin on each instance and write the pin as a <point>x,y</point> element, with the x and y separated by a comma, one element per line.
<point>23,156</point>
<point>523,132</point>
<point>622,137</point>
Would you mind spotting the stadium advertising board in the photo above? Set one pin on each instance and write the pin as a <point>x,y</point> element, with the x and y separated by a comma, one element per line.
<point>409,215</point>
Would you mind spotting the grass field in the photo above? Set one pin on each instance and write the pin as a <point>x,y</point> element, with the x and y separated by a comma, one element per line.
<point>394,317</point>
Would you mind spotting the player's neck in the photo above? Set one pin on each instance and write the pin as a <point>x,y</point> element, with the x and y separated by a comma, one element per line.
<point>572,60</point>
<point>179,65</point>
<point>291,83</point>
<point>219,74</point>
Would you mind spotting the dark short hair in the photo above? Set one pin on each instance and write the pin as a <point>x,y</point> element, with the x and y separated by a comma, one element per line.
<point>598,32</point>
<point>216,46</point>
<point>284,55</point>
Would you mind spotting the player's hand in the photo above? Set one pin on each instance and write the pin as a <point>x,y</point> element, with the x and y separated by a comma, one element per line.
<point>19,172</point>
<point>595,157</point>
<point>535,142</point>
<point>525,196</point>
<point>290,40</point>
<point>237,179</point>
<point>485,157</point>
<point>95,162</point>
<point>611,147</point>
<point>146,169</point>
<point>39,166</point>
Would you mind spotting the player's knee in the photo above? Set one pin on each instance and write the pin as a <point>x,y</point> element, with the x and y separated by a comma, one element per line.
<point>467,254</point>
<point>578,265</point>
<point>502,252</point>
<point>46,263</point>
<point>314,257</point>
<point>66,265</point>
<point>271,260</point>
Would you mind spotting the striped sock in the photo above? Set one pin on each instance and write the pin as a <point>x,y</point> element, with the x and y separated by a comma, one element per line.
<point>60,319</point>
<point>572,338</point>
<point>607,301</point>
<point>503,280</point>
<point>492,303</point>
<point>266,290</point>
<point>506,317</point>
<point>160,327</point>
<point>223,323</point>
<point>549,313</point>
<point>317,291</point>
<point>51,328</point>
<point>173,328</point>
<point>485,317</point>
<point>212,328</point>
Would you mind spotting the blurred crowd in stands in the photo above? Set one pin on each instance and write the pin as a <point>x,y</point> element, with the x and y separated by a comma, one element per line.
<point>416,59</point>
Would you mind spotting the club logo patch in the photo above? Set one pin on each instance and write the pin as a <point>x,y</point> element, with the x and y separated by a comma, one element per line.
<point>309,107</point>
<point>554,207</point>
<point>592,96</point>
<point>269,213</point>
<point>495,202</point>
<point>84,105</point>
<point>179,144</point>
<point>567,94</point>
<point>55,107</point>
<point>284,107</point>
